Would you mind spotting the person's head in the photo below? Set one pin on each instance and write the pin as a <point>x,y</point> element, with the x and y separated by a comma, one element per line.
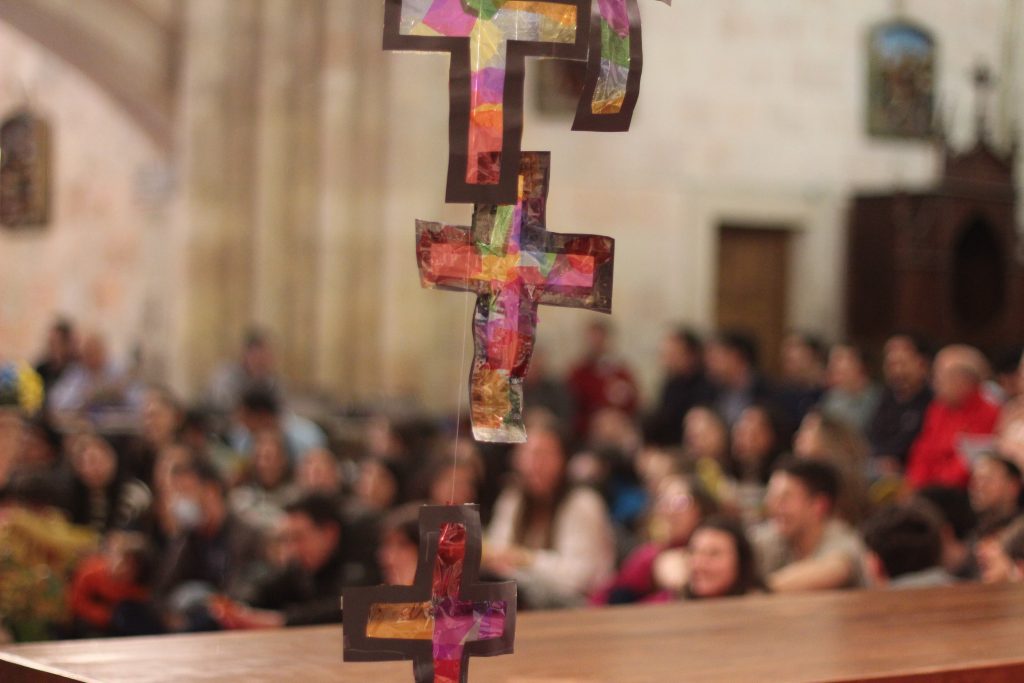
<point>705,433</point>
<point>1013,547</point>
<point>161,416</point>
<point>312,531</point>
<point>731,358</point>
<point>721,560</point>
<point>257,355</point>
<point>540,464</point>
<point>1010,440</point>
<point>398,552</point>
<point>824,437</point>
<point>847,370</point>
<point>902,540</point>
<point>758,437</point>
<point>455,480</point>
<point>1006,368</point>
<point>681,352</point>
<point>130,556</point>
<point>597,339</point>
<point>197,496</point>
<point>60,342</point>
<point>959,370</point>
<point>319,472</point>
<point>994,562</point>
<point>954,509</point>
<point>614,428</point>
<point>801,497</point>
<point>995,486</point>
<point>906,362</point>
<point>803,359</point>
<point>259,409</point>
<point>379,484</point>
<point>271,467</point>
<point>679,506</point>
<point>94,353</point>
<point>94,461</point>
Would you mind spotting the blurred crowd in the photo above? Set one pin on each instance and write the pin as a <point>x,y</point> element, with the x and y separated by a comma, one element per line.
<point>124,511</point>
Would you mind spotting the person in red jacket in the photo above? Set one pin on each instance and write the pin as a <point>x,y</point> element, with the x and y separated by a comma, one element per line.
<point>957,424</point>
<point>600,380</point>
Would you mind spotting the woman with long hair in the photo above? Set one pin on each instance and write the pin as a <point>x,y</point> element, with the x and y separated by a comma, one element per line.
<point>554,540</point>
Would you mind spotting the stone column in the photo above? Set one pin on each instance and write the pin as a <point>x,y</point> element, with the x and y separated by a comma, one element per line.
<point>212,244</point>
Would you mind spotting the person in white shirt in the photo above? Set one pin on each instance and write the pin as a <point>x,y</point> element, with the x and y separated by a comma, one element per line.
<point>555,541</point>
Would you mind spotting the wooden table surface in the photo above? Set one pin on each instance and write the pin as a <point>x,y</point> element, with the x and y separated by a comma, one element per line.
<point>953,635</point>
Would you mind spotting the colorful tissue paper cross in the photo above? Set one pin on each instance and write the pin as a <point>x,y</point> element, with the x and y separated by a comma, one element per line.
<point>488,41</point>
<point>446,616</point>
<point>510,261</point>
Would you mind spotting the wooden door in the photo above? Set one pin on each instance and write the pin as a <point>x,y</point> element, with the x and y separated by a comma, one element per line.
<point>753,287</point>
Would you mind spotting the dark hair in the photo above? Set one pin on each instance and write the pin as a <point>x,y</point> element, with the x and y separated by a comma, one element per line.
<point>1009,467</point>
<point>741,343</point>
<point>779,426</point>
<point>260,399</point>
<point>321,510</point>
<point>64,328</point>
<point>954,506</point>
<point>405,519</point>
<point>818,477</point>
<point>688,337</point>
<point>747,576</point>
<point>254,338</point>
<point>921,344</point>
<point>858,352</point>
<point>813,343</point>
<point>531,507</point>
<point>1007,361</point>
<point>1014,543</point>
<point>905,538</point>
<point>203,470</point>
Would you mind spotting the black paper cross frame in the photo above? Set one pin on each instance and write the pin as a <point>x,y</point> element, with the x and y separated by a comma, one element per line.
<point>358,647</point>
<point>504,191</point>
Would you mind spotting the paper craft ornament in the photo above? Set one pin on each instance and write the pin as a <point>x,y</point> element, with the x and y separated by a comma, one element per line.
<point>513,264</point>
<point>446,616</point>
<point>614,64</point>
<point>488,41</point>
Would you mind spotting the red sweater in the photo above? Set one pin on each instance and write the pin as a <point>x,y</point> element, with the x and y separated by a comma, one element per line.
<point>935,457</point>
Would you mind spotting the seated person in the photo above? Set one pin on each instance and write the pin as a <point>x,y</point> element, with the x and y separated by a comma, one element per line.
<point>804,545</point>
<point>996,540</point>
<point>555,541</point>
<point>399,549</point>
<point>905,549</point>
<point>110,589</point>
<point>956,529</point>
<point>316,570</point>
<point>678,508</point>
<point>212,551</point>
<point>995,488</point>
<point>722,561</point>
<point>957,421</point>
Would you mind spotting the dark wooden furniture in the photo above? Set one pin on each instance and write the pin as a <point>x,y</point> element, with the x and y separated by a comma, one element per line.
<point>943,262</point>
<point>950,635</point>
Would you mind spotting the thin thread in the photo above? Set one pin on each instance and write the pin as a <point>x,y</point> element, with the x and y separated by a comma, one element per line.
<point>458,401</point>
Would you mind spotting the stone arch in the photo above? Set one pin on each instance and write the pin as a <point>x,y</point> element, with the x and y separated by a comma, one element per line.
<point>129,48</point>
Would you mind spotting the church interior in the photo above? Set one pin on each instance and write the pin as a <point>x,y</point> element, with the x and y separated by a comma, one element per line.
<point>230,381</point>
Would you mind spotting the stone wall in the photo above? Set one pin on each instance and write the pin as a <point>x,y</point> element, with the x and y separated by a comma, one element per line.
<point>94,259</point>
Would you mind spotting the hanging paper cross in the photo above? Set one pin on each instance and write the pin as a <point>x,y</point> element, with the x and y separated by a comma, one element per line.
<point>488,41</point>
<point>446,616</point>
<point>615,61</point>
<point>513,264</point>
